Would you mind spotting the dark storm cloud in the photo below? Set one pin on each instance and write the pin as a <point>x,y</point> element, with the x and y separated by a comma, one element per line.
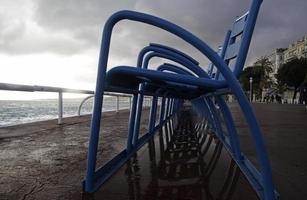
<point>55,26</point>
<point>10,31</point>
<point>280,22</point>
<point>81,19</point>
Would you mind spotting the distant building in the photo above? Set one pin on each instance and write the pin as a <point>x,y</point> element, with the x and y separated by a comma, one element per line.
<point>277,59</point>
<point>296,50</point>
<point>280,56</point>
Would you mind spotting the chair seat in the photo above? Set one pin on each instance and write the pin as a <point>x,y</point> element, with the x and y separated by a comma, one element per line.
<point>127,79</point>
<point>172,89</point>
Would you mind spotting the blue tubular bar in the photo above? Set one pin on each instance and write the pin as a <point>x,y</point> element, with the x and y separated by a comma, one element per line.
<point>246,37</point>
<point>164,53</point>
<point>131,122</point>
<point>167,107</point>
<point>162,110</point>
<point>215,118</point>
<point>230,80</point>
<point>234,140</point>
<point>247,168</point>
<point>210,69</point>
<point>173,108</point>
<point>176,58</point>
<point>170,107</point>
<point>203,110</point>
<point>173,68</point>
<point>138,114</point>
<point>153,113</point>
<point>175,51</point>
<point>171,54</point>
<point>245,165</point>
<point>223,51</point>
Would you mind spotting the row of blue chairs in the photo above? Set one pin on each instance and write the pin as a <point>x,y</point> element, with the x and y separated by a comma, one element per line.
<point>175,84</point>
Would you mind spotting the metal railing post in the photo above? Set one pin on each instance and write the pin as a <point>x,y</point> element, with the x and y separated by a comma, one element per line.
<point>60,108</point>
<point>60,91</point>
<point>152,114</point>
<point>117,103</point>
<point>162,110</point>
<point>251,89</point>
<point>82,102</point>
<point>166,108</point>
<point>130,103</point>
<point>146,102</point>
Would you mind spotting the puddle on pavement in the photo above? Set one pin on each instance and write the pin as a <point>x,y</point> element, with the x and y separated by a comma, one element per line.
<point>183,164</point>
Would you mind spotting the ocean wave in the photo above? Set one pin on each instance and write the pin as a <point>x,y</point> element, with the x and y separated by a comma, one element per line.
<point>19,112</point>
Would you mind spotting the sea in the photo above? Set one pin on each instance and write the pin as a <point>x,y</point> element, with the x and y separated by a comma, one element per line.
<point>13,112</point>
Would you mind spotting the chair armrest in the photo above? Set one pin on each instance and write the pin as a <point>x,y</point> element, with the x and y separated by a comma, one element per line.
<point>173,68</point>
<point>163,24</point>
<point>195,69</point>
<point>176,51</point>
<point>174,55</point>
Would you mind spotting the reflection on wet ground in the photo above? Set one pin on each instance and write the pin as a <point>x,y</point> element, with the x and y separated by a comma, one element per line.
<point>187,162</point>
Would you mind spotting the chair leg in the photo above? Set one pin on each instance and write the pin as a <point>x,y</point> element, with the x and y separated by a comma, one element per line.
<point>263,184</point>
<point>139,109</point>
<point>152,114</point>
<point>162,111</point>
<point>233,135</point>
<point>167,108</point>
<point>216,120</point>
<point>93,141</point>
<point>268,192</point>
<point>131,122</point>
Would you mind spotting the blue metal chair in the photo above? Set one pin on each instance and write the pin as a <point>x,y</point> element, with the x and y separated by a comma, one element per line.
<point>161,51</point>
<point>129,79</point>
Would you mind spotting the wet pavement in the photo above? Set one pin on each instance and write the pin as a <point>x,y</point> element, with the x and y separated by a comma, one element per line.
<point>186,163</point>
<point>285,131</point>
<point>49,162</point>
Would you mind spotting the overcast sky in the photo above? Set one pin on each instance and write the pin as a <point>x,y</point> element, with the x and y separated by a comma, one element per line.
<point>56,42</point>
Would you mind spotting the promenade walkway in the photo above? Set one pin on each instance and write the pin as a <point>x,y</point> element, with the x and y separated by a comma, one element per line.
<point>50,162</point>
<point>285,132</point>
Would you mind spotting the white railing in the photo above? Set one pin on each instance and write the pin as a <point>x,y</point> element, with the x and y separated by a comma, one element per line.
<point>60,91</point>
<point>117,95</point>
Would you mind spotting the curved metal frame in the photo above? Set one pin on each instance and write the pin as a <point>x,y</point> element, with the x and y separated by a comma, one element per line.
<point>143,62</point>
<point>231,143</point>
<point>82,102</point>
<point>230,81</point>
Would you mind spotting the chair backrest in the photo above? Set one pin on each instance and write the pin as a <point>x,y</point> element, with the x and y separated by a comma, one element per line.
<point>235,41</point>
<point>236,46</point>
<point>230,49</point>
<point>211,68</point>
